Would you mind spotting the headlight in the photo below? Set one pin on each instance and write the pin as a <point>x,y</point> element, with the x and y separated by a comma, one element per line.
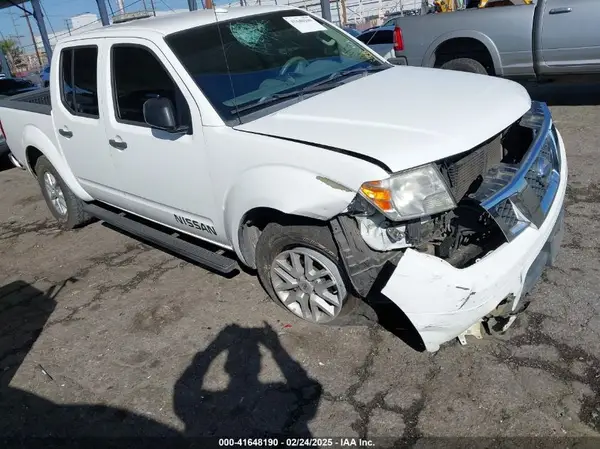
<point>410,194</point>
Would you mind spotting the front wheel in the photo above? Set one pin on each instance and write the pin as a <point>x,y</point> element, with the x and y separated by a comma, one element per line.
<point>300,269</point>
<point>62,202</point>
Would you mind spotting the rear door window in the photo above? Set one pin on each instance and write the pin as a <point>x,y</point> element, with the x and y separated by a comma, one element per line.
<point>79,89</point>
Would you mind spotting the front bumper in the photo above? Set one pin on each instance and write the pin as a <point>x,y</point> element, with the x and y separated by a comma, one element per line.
<point>443,301</point>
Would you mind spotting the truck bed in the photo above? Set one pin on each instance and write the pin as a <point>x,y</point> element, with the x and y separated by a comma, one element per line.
<point>37,101</point>
<point>29,110</point>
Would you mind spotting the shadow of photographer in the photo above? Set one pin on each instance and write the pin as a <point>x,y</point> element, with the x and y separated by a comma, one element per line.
<point>247,407</point>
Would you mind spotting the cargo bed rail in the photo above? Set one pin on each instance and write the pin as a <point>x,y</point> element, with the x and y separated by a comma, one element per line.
<point>37,101</point>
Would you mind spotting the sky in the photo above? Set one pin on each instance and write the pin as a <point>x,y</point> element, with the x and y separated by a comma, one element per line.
<point>58,11</point>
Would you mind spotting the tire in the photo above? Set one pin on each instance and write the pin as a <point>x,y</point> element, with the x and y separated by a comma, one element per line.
<point>315,242</point>
<point>73,214</point>
<point>465,65</point>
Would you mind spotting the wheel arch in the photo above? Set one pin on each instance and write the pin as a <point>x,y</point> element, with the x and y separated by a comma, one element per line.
<point>462,38</point>
<point>254,222</point>
<point>278,193</point>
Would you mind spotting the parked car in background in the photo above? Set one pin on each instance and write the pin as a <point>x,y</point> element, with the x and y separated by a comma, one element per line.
<point>351,31</point>
<point>380,40</point>
<point>543,40</point>
<point>45,76</point>
<point>14,86</point>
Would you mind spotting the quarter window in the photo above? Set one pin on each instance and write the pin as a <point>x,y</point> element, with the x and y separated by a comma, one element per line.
<point>79,90</point>
<point>138,76</point>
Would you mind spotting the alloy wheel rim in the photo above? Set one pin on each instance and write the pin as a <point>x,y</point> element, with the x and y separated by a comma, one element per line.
<point>55,194</point>
<point>308,284</point>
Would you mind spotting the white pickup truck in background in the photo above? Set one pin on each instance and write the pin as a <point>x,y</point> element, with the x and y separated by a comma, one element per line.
<point>262,140</point>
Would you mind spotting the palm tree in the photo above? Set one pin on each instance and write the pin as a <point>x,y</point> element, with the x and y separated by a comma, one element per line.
<point>13,53</point>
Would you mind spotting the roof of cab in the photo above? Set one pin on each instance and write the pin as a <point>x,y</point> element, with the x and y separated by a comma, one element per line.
<point>174,22</point>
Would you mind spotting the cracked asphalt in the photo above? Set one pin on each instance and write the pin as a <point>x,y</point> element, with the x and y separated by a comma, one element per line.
<point>103,335</point>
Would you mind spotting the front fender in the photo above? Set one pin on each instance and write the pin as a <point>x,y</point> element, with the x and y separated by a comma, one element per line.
<point>290,190</point>
<point>429,57</point>
<point>34,137</point>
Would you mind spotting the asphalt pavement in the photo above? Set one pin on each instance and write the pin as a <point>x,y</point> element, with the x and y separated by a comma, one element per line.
<point>102,335</point>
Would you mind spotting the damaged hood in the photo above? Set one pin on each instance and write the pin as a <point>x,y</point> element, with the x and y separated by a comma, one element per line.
<point>403,117</point>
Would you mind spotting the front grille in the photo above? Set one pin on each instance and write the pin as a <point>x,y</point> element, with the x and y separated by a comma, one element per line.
<point>517,195</point>
<point>463,170</point>
<point>505,211</point>
<point>537,183</point>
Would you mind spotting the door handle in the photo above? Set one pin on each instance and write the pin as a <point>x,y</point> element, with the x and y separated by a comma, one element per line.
<point>561,10</point>
<point>117,145</point>
<point>65,133</point>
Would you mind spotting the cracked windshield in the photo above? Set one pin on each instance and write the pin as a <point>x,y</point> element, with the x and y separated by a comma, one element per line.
<point>245,64</point>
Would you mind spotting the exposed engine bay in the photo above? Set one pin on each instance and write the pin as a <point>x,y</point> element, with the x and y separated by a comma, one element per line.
<point>460,236</point>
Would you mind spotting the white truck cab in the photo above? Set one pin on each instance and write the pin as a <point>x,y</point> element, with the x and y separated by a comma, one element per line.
<point>267,136</point>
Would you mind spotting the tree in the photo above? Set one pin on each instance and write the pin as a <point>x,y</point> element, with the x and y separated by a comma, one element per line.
<point>13,53</point>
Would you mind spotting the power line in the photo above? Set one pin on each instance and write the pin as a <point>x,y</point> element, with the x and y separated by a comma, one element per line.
<point>164,3</point>
<point>37,52</point>
<point>49,21</point>
<point>57,36</point>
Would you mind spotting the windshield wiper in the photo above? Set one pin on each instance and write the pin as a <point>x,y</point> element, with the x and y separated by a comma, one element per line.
<point>373,68</point>
<point>330,82</point>
<point>319,87</point>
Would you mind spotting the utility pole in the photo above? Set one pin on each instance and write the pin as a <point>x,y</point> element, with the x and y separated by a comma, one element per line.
<point>326,10</point>
<point>39,18</point>
<point>344,16</point>
<point>37,51</point>
<point>120,6</point>
<point>193,5</point>
<point>152,6</point>
<point>103,12</point>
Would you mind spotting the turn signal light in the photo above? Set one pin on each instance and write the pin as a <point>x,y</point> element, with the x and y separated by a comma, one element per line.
<point>379,195</point>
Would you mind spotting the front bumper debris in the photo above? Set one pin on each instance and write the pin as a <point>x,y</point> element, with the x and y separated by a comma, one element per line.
<point>442,301</point>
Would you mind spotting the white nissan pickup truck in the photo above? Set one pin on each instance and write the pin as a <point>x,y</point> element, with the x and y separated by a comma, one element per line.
<point>268,137</point>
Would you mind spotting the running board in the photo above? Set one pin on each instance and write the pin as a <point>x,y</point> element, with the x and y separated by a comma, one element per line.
<point>169,241</point>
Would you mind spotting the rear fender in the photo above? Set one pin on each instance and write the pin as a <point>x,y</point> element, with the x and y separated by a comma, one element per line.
<point>34,137</point>
<point>289,190</point>
<point>429,58</point>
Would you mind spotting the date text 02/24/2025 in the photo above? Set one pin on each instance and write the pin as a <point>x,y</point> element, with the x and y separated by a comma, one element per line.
<point>296,442</point>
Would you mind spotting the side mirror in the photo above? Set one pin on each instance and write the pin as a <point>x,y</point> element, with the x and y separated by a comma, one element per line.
<point>159,114</point>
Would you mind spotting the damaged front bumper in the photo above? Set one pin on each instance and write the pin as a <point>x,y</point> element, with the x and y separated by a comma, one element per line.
<point>442,301</point>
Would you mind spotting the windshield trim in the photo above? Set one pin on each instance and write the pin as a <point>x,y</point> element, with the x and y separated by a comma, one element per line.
<point>269,108</point>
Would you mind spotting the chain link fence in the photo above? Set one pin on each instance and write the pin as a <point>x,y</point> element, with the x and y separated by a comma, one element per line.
<point>358,14</point>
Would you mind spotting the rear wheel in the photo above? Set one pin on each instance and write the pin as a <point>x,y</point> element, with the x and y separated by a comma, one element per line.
<point>62,202</point>
<point>465,65</point>
<point>300,269</point>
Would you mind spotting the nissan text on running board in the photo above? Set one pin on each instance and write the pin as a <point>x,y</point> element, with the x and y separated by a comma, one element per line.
<point>263,144</point>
